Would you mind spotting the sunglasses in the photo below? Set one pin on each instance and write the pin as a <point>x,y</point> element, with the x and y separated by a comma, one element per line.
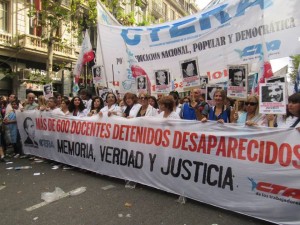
<point>143,98</point>
<point>251,103</point>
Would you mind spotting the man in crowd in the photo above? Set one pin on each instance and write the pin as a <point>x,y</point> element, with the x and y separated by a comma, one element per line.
<point>197,109</point>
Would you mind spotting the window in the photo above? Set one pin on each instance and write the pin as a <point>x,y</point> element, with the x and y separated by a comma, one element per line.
<point>173,17</point>
<point>165,11</point>
<point>35,25</point>
<point>3,16</point>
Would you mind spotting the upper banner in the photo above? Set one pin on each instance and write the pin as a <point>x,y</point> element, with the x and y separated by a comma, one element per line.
<point>254,171</point>
<point>234,32</point>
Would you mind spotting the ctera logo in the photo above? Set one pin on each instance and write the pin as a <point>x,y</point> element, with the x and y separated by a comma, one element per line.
<point>258,49</point>
<point>275,189</point>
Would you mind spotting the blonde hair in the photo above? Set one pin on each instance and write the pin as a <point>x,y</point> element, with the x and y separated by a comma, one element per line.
<point>256,98</point>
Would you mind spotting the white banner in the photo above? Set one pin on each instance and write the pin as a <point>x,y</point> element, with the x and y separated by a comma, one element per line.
<point>253,171</point>
<point>233,32</point>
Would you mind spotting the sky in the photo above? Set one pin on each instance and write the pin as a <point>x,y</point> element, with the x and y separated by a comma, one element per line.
<point>202,3</point>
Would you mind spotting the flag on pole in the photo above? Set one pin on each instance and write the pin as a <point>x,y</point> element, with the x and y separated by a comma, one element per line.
<point>297,81</point>
<point>86,54</point>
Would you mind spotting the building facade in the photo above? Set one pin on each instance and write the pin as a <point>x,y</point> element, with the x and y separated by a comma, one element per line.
<point>23,53</point>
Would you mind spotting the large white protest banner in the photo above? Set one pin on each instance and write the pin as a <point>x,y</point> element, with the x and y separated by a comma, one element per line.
<point>254,171</point>
<point>233,32</point>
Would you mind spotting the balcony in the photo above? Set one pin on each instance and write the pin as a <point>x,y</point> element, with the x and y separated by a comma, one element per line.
<point>157,10</point>
<point>5,39</point>
<point>34,45</point>
<point>179,6</point>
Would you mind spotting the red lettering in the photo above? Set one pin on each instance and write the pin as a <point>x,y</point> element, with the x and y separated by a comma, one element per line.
<point>241,149</point>
<point>271,152</point>
<point>221,147</point>
<point>232,146</point>
<point>212,142</point>
<point>285,154</point>
<point>296,163</point>
<point>252,156</point>
<point>202,144</point>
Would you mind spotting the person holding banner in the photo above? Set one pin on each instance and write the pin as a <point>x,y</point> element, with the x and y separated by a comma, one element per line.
<point>166,106</point>
<point>252,117</point>
<point>97,105</point>
<point>77,108</point>
<point>219,112</point>
<point>64,107</point>
<point>153,102</point>
<point>132,105</point>
<point>197,109</point>
<point>112,107</point>
<point>292,119</point>
<point>146,109</point>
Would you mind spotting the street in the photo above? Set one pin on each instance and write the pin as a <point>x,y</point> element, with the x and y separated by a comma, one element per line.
<point>105,201</point>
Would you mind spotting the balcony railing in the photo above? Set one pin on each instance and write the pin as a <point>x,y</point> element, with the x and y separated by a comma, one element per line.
<point>5,39</point>
<point>157,10</point>
<point>35,43</point>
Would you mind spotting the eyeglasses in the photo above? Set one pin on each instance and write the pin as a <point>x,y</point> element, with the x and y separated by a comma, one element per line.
<point>251,103</point>
<point>143,98</point>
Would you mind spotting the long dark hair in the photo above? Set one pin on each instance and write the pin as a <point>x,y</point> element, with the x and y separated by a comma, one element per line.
<point>101,104</point>
<point>71,106</point>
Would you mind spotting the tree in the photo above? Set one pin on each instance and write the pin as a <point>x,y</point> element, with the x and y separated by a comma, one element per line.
<point>53,15</point>
<point>296,62</point>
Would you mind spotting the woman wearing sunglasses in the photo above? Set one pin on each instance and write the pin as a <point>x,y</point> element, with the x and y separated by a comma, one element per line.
<point>251,117</point>
<point>146,109</point>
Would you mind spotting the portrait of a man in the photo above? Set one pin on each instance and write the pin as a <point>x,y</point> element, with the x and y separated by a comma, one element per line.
<point>189,69</point>
<point>162,77</point>
<point>237,77</point>
<point>141,83</point>
<point>29,128</point>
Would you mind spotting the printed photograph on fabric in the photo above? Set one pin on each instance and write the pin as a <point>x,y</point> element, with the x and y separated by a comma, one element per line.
<point>102,92</point>
<point>141,82</point>
<point>29,128</point>
<point>162,77</point>
<point>48,90</point>
<point>237,75</point>
<point>203,82</point>
<point>273,93</point>
<point>210,90</point>
<point>252,82</point>
<point>97,72</point>
<point>276,80</point>
<point>189,68</point>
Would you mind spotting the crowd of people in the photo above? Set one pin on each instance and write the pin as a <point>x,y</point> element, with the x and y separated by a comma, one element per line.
<point>192,107</point>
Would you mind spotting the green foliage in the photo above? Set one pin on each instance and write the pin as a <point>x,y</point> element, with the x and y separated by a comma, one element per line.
<point>147,20</point>
<point>126,19</point>
<point>295,61</point>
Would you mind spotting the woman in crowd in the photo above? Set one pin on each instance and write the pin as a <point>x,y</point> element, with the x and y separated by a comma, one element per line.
<point>97,105</point>
<point>42,103</point>
<point>292,118</point>
<point>252,117</point>
<point>166,106</point>
<point>76,107</point>
<point>153,102</point>
<point>10,122</point>
<point>112,107</point>
<point>146,109</point>
<point>186,99</point>
<point>132,105</point>
<point>177,107</point>
<point>219,112</point>
<point>64,107</point>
